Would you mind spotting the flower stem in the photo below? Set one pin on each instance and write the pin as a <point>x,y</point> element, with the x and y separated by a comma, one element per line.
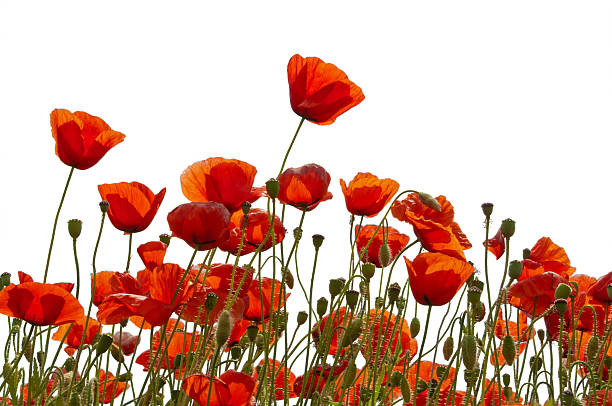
<point>290,146</point>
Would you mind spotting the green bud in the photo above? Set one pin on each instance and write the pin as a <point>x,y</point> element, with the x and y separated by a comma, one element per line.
<point>405,387</point>
<point>541,335</point>
<point>508,226</point>
<point>561,306</point>
<point>429,201</point>
<point>441,371</point>
<point>236,352</point>
<point>535,363</point>
<point>487,209</point>
<point>74,228</point>
<point>396,379</point>
<point>322,306</point>
<point>563,291</point>
<point>421,386</point>
<point>415,327</point>
<point>384,254</point>
<point>259,341</point>
<point>448,348</point>
<point>592,349</point>
<point>575,288</point>
<point>468,346</point>
<point>400,303</point>
<point>252,332</point>
<point>479,311</point>
<point>526,253</point>
<point>104,343</point>
<point>506,379</point>
<point>302,317</point>
<point>165,238</point>
<point>40,356</point>
<point>352,333</point>
<point>245,342</point>
<point>368,270</point>
<point>224,328</point>
<point>124,322</point>
<point>116,353</point>
<point>393,292</point>
<point>210,302</point>
<point>349,376</point>
<point>509,349</point>
<point>246,207</point>
<point>335,286</point>
<point>317,240</point>
<point>352,298</point>
<point>272,187</point>
<point>104,206</point>
<point>515,269</point>
<point>125,377</point>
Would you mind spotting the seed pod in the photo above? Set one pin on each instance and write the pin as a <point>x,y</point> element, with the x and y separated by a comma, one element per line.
<point>335,286</point>
<point>224,328</point>
<point>535,363</point>
<point>393,292</point>
<point>165,238</point>
<point>322,306</point>
<point>421,386</point>
<point>349,376</point>
<point>415,327</point>
<point>368,270</point>
<point>448,348</point>
<point>508,227</point>
<point>526,253</point>
<point>352,333</point>
<point>506,379</point>
<point>592,348</point>
<point>124,377</point>
<point>211,301</point>
<point>74,228</point>
<point>509,349</point>
<point>384,254</point>
<point>563,291</point>
<point>272,188</point>
<point>116,353</point>
<point>487,209</point>
<point>396,379</point>
<point>480,311</point>
<point>317,241</point>
<point>302,317</point>
<point>235,352</point>
<point>561,306</point>
<point>473,295</point>
<point>429,201</point>
<point>515,269</point>
<point>541,335</point>
<point>252,331</point>
<point>468,346</point>
<point>352,298</point>
<point>104,206</point>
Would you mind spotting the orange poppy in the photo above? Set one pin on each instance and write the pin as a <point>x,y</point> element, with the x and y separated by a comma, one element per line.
<point>109,283</point>
<point>231,388</point>
<point>225,181</point>
<point>520,332</point>
<point>395,240</point>
<point>109,388</point>
<point>437,231</point>
<point>127,341</point>
<point>168,349</point>
<point>132,206</point>
<point>257,226</point>
<point>319,91</point>
<point>152,253</point>
<point>24,277</point>
<point>317,378</point>
<point>497,244</point>
<point>435,278</point>
<point>536,293</point>
<point>41,304</point>
<point>260,297</point>
<point>396,332</point>
<point>81,140</point>
<point>75,335</point>
<point>279,380</point>
<point>205,225</point>
<point>339,318</point>
<point>304,187</point>
<point>366,195</point>
<point>155,308</point>
<point>546,256</point>
<point>598,290</point>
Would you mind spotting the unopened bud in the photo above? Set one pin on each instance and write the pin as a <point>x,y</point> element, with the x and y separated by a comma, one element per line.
<point>561,306</point>
<point>317,240</point>
<point>400,303</point>
<point>252,331</point>
<point>479,311</point>
<point>421,386</point>
<point>563,291</point>
<point>394,291</point>
<point>104,343</point>
<point>68,364</point>
<point>405,387</point>
<point>509,349</point>
<point>515,269</point>
<point>302,317</point>
<point>535,363</point>
<point>448,348</point>
<point>526,253</point>
<point>322,306</point>
<point>104,206</point>
<point>384,254</point>
<point>349,376</point>
<point>210,302</point>
<point>352,298</point>
<point>415,327</point>
<point>126,376</point>
<point>259,341</point>
<point>236,352</point>
<point>272,188</point>
<point>468,346</point>
<point>75,399</point>
<point>224,328</point>
<point>335,286</point>
<point>379,302</point>
<point>352,332</point>
<point>365,395</point>
<point>429,201</point>
<point>592,348</point>
<point>508,226</point>
<point>441,371</point>
<point>368,270</point>
<point>165,238</point>
<point>116,353</point>
<point>396,379</point>
<point>74,228</point>
<point>40,357</point>
<point>297,234</point>
<point>487,209</point>
<point>607,362</point>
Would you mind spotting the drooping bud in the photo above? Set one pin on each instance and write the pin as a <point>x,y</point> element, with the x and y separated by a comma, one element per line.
<point>322,306</point>
<point>400,302</point>
<point>335,286</point>
<point>352,298</point>
<point>116,353</point>
<point>468,346</point>
<point>165,238</point>
<point>210,302</point>
<point>515,269</point>
<point>317,240</point>
<point>448,348</point>
<point>302,317</point>
<point>68,364</point>
<point>384,254</point>
<point>509,349</point>
<point>364,288</point>
<point>74,228</point>
<point>393,292</point>
<point>561,306</point>
<point>508,227</point>
<point>368,270</point>
<point>349,376</point>
<point>487,209</point>
<point>104,206</point>
<point>429,201</point>
<point>104,343</point>
<point>592,347</point>
<point>415,327</point>
<point>563,291</point>
<point>352,333</point>
<point>272,188</point>
<point>479,311</point>
<point>224,328</point>
<point>575,289</point>
<point>405,388</point>
<point>246,207</point>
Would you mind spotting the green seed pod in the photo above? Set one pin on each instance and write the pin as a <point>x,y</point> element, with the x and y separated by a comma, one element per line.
<point>252,332</point>
<point>259,341</point>
<point>68,364</point>
<point>393,292</point>
<point>335,286</point>
<point>297,234</point>
<point>352,298</point>
<point>421,386</point>
<point>224,328</point>
<point>367,270</point>
<point>210,302</point>
<point>405,387</point>
<point>322,306</point>
<point>104,343</point>
<point>104,206</point>
<point>515,269</point>
<point>236,352</point>
<point>415,327</point>
<point>448,348</point>
<point>272,188</point>
<point>349,376</point>
<point>74,228</point>
<point>468,346</point>
<point>246,207</point>
<point>508,227</point>
<point>471,376</point>
<point>429,201</point>
<point>592,349</point>
<point>474,294</point>
<point>124,322</point>
<point>509,349</point>
<point>384,254</point>
<point>245,342</point>
<point>165,238</point>
<point>441,371</point>
<point>396,379</point>
<point>506,379</point>
<point>541,335</point>
<point>302,317</point>
<point>116,353</point>
<point>480,311</point>
<point>561,306</point>
<point>317,241</point>
<point>563,291</point>
<point>487,209</point>
<point>379,302</point>
<point>352,333</point>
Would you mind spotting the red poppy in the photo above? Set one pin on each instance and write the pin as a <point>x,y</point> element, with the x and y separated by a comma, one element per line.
<point>260,296</point>
<point>230,389</point>
<point>81,140</point>
<point>304,187</point>
<point>339,318</point>
<point>279,371</point>
<point>395,240</point>
<point>366,195</point>
<point>520,332</point>
<point>546,256</point>
<point>497,244</point>
<point>132,206</point>
<point>317,378</point>
<point>75,335</point>
<point>257,226</point>
<point>396,332</point>
<point>109,388</point>
<point>205,225</point>
<point>437,231</point>
<point>24,277</point>
<point>41,304</point>
<point>127,341</point>
<point>109,283</point>
<point>534,295</point>
<point>599,289</point>
<point>155,308</point>
<point>319,91</point>
<point>168,348</point>
<point>225,181</point>
<point>436,278</point>
<point>152,253</point>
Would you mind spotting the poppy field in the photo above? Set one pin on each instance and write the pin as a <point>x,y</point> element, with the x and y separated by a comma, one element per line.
<point>221,328</point>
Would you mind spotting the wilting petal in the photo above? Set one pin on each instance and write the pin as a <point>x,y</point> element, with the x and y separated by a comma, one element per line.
<point>497,244</point>
<point>127,341</point>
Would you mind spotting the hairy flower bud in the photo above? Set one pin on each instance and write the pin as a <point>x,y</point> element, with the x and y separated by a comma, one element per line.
<point>509,349</point>
<point>126,376</point>
<point>288,277</point>
<point>468,346</point>
<point>405,388</point>
<point>74,228</point>
<point>224,328</point>
<point>116,353</point>
<point>415,327</point>
<point>396,379</point>
<point>429,201</point>
<point>448,348</point>
<point>384,254</point>
<point>421,386</point>
<point>179,361</point>
<point>5,280</point>
<point>349,375</point>
<point>352,333</point>
<point>592,349</point>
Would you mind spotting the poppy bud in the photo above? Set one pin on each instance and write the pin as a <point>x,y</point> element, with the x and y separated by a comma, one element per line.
<point>509,349</point>
<point>68,364</point>
<point>165,238</point>
<point>179,361</point>
<point>352,333</point>
<point>236,352</point>
<point>535,363</point>
<point>474,294</point>
<point>104,343</point>
<point>224,327</point>
<point>259,341</point>
<point>272,187</point>
<point>246,208</point>
<point>393,292</point>
<point>421,386</point>
<point>302,317</point>
<point>211,301</point>
<point>448,348</point>
<point>487,209</point>
<point>506,379</point>
<point>40,355</point>
<point>352,297</point>
<point>415,327</point>
<point>561,306</point>
<point>384,254</point>
<point>321,306</point>
<point>116,353</point>
<point>297,234</point>
<point>592,348</point>
<point>541,335</point>
<point>349,375</point>
<point>335,286</point>
<point>317,240</point>
<point>74,228</point>
<point>368,269</point>
<point>479,311</point>
<point>508,226</point>
<point>405,387</point>
<point>468,346</point>
<point>563,291</point>
<point>288,276</point>
<point>429,201</point>
<point>104,206</point>
<point>609,291</point>
<point>526,253</point>
<point>441,371</point>
<point>515,269</point>
<point>379,302</point>
<point>5,279</point>
<point>126,376</point>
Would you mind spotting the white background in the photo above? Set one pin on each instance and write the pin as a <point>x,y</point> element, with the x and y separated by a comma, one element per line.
<point>507,102</point>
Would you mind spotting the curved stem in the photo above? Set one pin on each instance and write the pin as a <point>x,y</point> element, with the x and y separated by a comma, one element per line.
<point>290,146</point>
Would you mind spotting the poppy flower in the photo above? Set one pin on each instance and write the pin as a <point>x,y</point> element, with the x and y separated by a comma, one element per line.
<point>255,232</point>
<point>426,370</point>
<point>41,304</point>
<point>152,253</point>
<point>319,91</point>
<point>437,231</point>
<point>546,256</point>
<point>132,206</point>
<point>126,341</point>
<point>520,332</point>
<point>396,242</point>
<point>304,187</point>
<point>225,181</point>
<point>393,331</point>
<point>315,379</point>
<point>279,371</point>
<point>366,195</point>
<point>202,225</point>
<point>260,297</point>
<point>436,278</point>
<point>24,277</point>
<point>155,308</point>
<point>81,140</point>
<point>75,335</point>
<point>109,283</point>
<point>339,318</point>
<point>599,289</point>
<point>109,388</point>
<point>534,295</point>
<point>169,348</point>
<point>230,389</point>
<point>497,244</point>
